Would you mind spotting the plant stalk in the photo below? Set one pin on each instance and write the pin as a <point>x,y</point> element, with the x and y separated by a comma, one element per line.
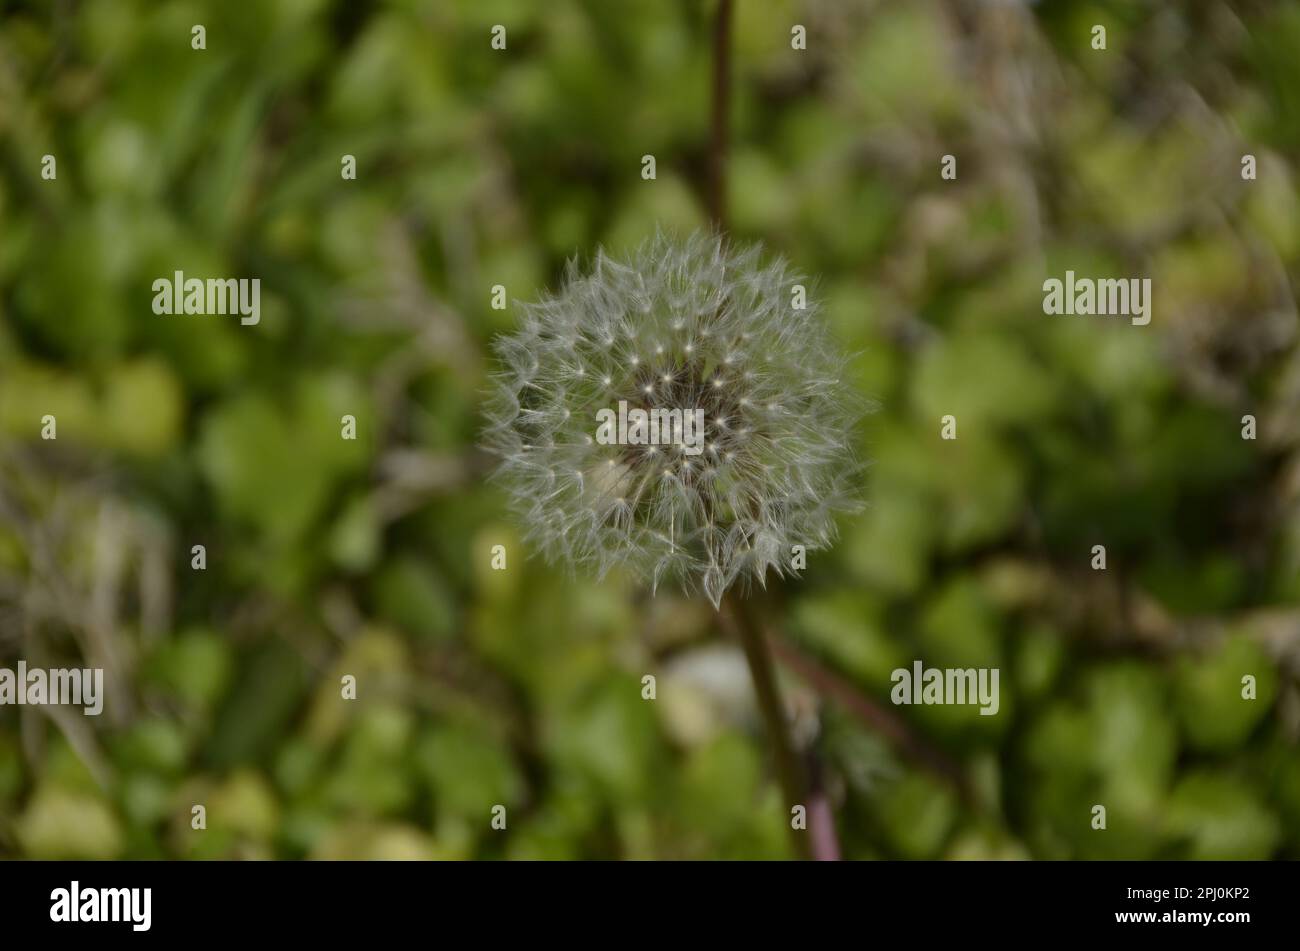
<point>740,624</point>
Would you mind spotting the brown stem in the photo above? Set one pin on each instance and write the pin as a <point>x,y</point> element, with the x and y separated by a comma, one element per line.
<point>721,116</point>
<point>821,820</point>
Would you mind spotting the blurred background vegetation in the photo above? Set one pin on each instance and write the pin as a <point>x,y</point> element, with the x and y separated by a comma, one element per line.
<point>523,688</point>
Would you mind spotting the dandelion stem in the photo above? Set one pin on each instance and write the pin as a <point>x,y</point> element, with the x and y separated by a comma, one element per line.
<point>738,621</point>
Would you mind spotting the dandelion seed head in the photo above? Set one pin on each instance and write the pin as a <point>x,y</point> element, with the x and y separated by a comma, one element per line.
<point>764,482</point>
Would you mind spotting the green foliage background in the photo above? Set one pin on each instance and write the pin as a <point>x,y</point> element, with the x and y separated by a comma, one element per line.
<point>478,167</point>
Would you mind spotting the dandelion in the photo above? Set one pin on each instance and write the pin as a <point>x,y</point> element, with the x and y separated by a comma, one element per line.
<point>693,324</point>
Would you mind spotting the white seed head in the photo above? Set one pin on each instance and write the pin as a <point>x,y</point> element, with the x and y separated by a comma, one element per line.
<point>768,480</point>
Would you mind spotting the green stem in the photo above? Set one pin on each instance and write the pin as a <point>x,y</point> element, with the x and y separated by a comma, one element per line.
<point>740,623</point>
